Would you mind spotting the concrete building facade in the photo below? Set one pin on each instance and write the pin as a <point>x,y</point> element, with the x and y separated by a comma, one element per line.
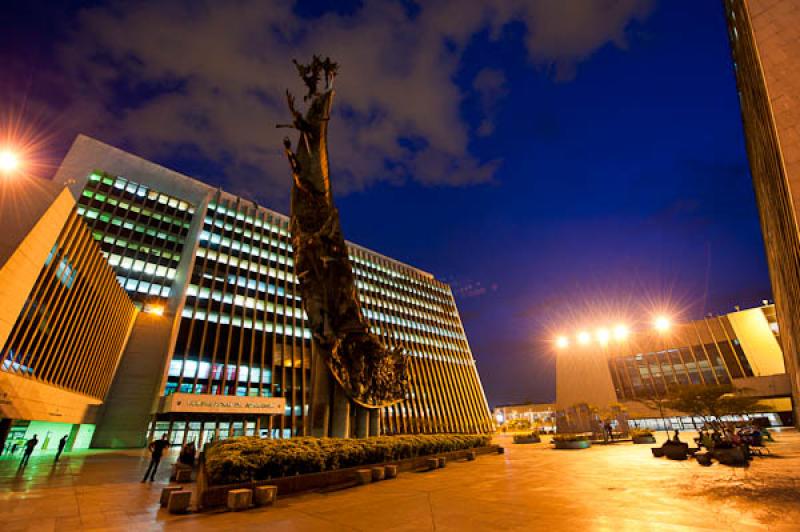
<point>64,321</point>
<point>224,318</point>
<point>741,349</point>
<point>765,41</point>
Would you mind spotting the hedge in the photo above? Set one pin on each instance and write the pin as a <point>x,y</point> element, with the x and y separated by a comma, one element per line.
<point>249,458</point>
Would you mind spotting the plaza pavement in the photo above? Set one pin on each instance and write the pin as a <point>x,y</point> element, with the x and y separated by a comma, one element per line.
<point>613,487</point>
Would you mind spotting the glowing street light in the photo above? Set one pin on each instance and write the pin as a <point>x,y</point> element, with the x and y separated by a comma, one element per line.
<point>621,333</point>
<point>602,336</point>
<point>562,342</point>
<point>662,323</point>
<point>584,338</point>
<point>8,161</point>
<point>157,310</point>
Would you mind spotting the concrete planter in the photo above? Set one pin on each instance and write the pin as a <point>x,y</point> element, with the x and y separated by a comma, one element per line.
<point>390,471</point>
<point>579,444</point>
<point>644,439</point>
<point>214,496</point>
<point>527,438</point>
<point>734,456</point>
<point>676,451</point>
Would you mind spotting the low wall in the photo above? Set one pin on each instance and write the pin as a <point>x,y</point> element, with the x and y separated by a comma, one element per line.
<point>215,496</point>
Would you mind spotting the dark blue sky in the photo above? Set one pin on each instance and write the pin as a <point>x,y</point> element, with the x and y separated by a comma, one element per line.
<point>553,163</point>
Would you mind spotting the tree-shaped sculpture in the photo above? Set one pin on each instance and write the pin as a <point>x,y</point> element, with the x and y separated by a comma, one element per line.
<point>370,374</point>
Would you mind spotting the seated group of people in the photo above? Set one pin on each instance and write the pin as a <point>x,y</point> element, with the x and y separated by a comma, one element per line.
<point>730,435</point>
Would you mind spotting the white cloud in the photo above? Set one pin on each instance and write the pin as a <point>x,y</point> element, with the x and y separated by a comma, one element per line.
<point>227,64</point>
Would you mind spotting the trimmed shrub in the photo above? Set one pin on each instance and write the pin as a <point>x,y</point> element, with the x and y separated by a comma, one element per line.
<point>640,433</point>
<point>249,458</point>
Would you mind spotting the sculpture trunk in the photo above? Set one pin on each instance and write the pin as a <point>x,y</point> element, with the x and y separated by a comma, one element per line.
<point>370,374</point>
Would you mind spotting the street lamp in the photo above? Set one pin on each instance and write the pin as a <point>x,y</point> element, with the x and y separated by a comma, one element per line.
<point>584,338</point>
<point>621,332</point>
<point>562,342</point>
<point>662,323</point>
<point>602,336</point>
<point>9,161</point>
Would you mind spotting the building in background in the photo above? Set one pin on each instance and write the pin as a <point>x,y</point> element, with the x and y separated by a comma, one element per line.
<point>742,348</point>
<point>539,416</point>
<point>225,320</point>
<point>64,319</point>
<point>765,41</point>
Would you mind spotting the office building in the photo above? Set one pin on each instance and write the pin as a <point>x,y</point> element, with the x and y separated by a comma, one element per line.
<point>765,41</point>
<point>602,369</point>
<point>226,350</point>
<point>64,319</point>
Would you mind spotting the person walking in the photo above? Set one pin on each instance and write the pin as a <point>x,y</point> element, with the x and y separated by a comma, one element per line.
<point>156,448</point>
<point>30,445</point>
<point>61,444</point>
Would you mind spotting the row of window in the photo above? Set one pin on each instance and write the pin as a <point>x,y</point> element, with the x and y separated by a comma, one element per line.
<point>142,191</point>
<point>102,198</point>
<point>247,323</point>
<point>235,245</point>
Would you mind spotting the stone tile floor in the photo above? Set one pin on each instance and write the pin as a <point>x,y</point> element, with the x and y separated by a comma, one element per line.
<point>613,487</point>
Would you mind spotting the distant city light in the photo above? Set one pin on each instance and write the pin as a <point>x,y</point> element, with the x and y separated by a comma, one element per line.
<point>602,336</point>
<point>9,161</point>
<point>662,323</point>
<point>621,332</point>
<point>584,337</point>
<point>562,342</point>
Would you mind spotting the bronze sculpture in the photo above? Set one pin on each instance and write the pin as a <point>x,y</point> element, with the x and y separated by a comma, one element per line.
<point>370,374</point>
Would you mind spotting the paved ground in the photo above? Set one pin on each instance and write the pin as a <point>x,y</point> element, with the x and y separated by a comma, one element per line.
<point>615,487</point>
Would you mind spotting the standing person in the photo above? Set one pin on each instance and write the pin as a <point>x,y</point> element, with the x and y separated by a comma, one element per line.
<point>61,444</point>
<point>30,445</point>
<point>156,448</point>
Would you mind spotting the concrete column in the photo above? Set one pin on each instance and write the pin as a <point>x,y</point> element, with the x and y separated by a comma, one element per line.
<point>362,422</point>
<point>340,422</point>
<point>321,400</point>
<point>375,422</point>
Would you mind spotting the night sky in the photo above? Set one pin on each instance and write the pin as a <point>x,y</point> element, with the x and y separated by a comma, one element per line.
<point>559,163</point>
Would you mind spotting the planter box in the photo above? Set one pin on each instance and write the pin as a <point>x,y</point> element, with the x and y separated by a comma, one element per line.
<point>214,496</point>
<point>734,456</point>
<point>644,439</point>
<point>676,451</point>
<point>530,438</point>
<point>658,452</point>
<point>580,444</point>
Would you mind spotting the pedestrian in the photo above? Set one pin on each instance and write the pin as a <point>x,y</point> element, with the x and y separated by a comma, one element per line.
<point>675,438</point>
<point>156,448</point>
<point>30,445</point>
<point>61,444</point>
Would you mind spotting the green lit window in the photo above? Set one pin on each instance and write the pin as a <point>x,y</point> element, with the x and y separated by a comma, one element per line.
<point>94,177</point>
<point>108,181</point>
<point>105,218</point>
<point>100,197</point>
<point>88,193</point>
<point>91,214</point>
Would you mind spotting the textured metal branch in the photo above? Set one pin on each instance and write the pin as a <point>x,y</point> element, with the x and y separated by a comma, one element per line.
<point>371,375</point>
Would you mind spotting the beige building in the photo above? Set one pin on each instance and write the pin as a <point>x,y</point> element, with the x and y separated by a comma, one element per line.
<point>601,369</point>
<point>64,319</point>
<point>765,40</point>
